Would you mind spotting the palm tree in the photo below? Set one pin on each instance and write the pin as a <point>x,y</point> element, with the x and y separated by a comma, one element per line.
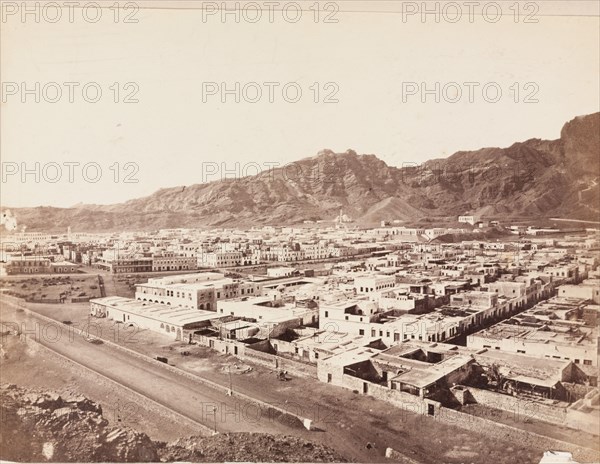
<point>494,376</point>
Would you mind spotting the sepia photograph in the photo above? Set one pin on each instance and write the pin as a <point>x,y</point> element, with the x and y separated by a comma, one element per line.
<point>310,231</point>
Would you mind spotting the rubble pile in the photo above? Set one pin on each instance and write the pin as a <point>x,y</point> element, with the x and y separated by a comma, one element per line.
<point>248,447</point>
<point>41,426</point>
<point>38,426</point>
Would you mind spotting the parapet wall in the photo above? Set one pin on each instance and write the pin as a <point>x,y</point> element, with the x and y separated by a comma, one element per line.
<point>523,410</point>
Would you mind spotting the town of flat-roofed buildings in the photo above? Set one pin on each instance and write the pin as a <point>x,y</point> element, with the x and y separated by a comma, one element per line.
<point>393,312</point>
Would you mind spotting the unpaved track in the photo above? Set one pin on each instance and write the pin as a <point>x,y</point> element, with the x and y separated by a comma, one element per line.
<point>181,394</point>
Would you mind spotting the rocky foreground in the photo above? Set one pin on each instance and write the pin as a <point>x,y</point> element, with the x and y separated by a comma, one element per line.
<point>38,426</point>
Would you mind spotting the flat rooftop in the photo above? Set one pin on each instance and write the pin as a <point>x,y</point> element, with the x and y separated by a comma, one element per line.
<point>412,346</point>
<point>422,375</point>
<point>552,334</point>
<point>520,367</point>
<point>164,313</point>
<point>185,278</point>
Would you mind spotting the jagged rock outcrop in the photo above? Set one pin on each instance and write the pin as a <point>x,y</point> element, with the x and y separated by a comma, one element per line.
<point>44,426</point>
<point>41,426</point>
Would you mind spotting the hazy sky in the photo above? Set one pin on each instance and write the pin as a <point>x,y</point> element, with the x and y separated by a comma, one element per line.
<point>171,56</point>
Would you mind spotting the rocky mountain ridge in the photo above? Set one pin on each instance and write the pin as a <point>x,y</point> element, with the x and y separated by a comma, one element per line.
<point>531,179</point>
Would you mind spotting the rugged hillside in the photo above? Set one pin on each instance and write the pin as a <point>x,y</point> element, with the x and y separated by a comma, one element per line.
<point>45,427</point>
<point>536,178</point>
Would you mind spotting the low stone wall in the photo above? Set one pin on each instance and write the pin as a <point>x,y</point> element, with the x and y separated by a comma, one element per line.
<point>220,345</point>
<point>403,400</point>
<point>45,300</point>
<point>276,362</point>
<point>523,410</point>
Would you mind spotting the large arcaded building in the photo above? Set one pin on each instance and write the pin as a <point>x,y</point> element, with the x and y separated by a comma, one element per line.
<point>157,317</point>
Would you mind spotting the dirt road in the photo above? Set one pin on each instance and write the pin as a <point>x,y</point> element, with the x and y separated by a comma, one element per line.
<point>176,392</point>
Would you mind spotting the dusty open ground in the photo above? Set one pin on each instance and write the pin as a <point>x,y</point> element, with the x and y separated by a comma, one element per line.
<point>535,426</point>
<point>52,287</point>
